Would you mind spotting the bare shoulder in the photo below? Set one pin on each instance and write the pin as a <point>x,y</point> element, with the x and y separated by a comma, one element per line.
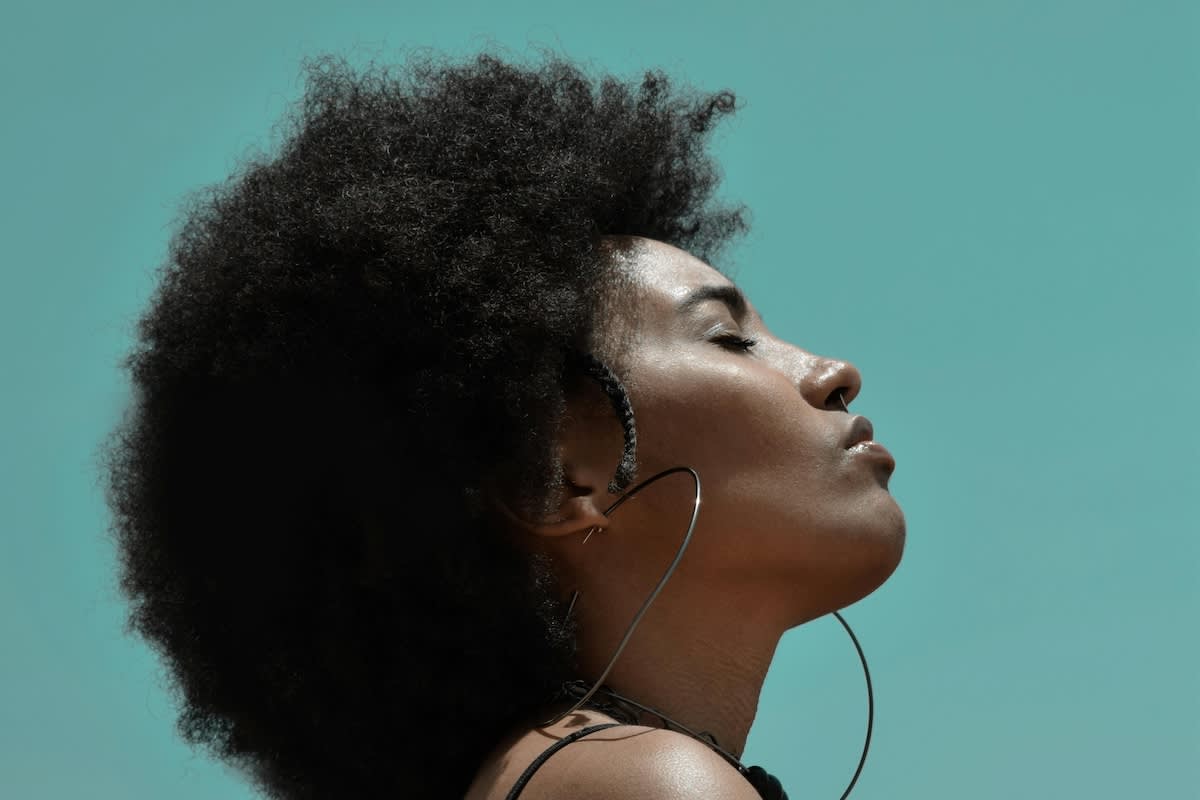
<point>658,764</point>
<point>619,762</point>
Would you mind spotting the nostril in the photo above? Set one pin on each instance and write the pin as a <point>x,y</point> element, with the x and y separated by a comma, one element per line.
<point>831,385</point>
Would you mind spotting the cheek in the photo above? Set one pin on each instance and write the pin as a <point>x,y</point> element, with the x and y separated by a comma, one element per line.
<point>735,423</point>
<point>780,495</point>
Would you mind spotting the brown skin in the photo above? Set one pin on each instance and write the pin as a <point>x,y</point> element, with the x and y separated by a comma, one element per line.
<point>792,526</point>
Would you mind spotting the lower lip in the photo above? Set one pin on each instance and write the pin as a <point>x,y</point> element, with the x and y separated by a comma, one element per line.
<point>873,449</point>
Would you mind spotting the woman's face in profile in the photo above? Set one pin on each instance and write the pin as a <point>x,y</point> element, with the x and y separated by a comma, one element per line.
<point>790,511</point>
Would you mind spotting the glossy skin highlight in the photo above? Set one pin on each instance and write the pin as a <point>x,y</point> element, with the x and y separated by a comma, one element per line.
<point>786,506</point>
<point>793,525</point>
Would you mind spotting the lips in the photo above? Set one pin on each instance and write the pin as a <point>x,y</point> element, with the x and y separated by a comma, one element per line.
<point>861,443</point>
<point>861,430</point>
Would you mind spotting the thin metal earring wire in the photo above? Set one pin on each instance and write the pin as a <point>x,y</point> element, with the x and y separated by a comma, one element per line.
<point>646,605</point>
<point>658,588</point>
<point>870,706</point>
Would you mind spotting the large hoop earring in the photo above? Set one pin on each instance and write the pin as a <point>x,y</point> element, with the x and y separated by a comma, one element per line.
<point>707,739</point>
<point>653,594</point>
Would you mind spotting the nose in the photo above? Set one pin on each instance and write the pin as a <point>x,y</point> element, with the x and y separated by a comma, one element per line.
<point>829,382</point>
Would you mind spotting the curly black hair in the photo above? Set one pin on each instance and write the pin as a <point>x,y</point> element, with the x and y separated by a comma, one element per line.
<point>349,339</point>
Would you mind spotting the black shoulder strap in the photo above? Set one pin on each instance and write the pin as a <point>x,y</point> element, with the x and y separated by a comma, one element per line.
<point>551,750</point>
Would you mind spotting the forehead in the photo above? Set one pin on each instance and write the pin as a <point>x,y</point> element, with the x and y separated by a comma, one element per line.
<point>664,274</point>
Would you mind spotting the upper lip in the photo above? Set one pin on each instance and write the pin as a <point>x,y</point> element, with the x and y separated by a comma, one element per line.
<point>861,430</point>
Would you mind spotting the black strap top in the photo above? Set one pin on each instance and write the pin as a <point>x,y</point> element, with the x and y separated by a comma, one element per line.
<point>551,750</point>
<point>765,783</point>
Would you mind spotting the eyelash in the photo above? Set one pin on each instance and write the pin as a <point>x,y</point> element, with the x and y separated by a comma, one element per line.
<point>735,342</point>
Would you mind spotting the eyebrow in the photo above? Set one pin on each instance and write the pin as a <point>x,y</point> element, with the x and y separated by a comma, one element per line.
<point>731,296</point>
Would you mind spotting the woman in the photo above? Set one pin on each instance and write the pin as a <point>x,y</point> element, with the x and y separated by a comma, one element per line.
<point>394,382</point>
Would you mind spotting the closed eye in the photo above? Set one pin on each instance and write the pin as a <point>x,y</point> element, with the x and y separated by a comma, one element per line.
<point>735,342</point>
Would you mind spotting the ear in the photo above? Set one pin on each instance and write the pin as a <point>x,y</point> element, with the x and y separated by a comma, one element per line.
<point>590,444</point>
<point>577,512</point>
<point>576,509</point>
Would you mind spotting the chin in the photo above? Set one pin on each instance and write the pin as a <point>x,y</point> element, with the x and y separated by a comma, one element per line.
<point>846,584</point>
<point>882,552</point>
<point>874,552</point>
<point>848,560</point>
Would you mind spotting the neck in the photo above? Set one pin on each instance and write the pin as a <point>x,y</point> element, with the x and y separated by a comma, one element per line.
<point>707,677</point>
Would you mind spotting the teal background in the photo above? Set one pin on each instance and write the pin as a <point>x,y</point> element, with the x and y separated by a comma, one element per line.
<point>989,207</point>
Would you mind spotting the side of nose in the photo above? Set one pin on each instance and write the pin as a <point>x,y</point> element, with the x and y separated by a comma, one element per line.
<point>827,383</point>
